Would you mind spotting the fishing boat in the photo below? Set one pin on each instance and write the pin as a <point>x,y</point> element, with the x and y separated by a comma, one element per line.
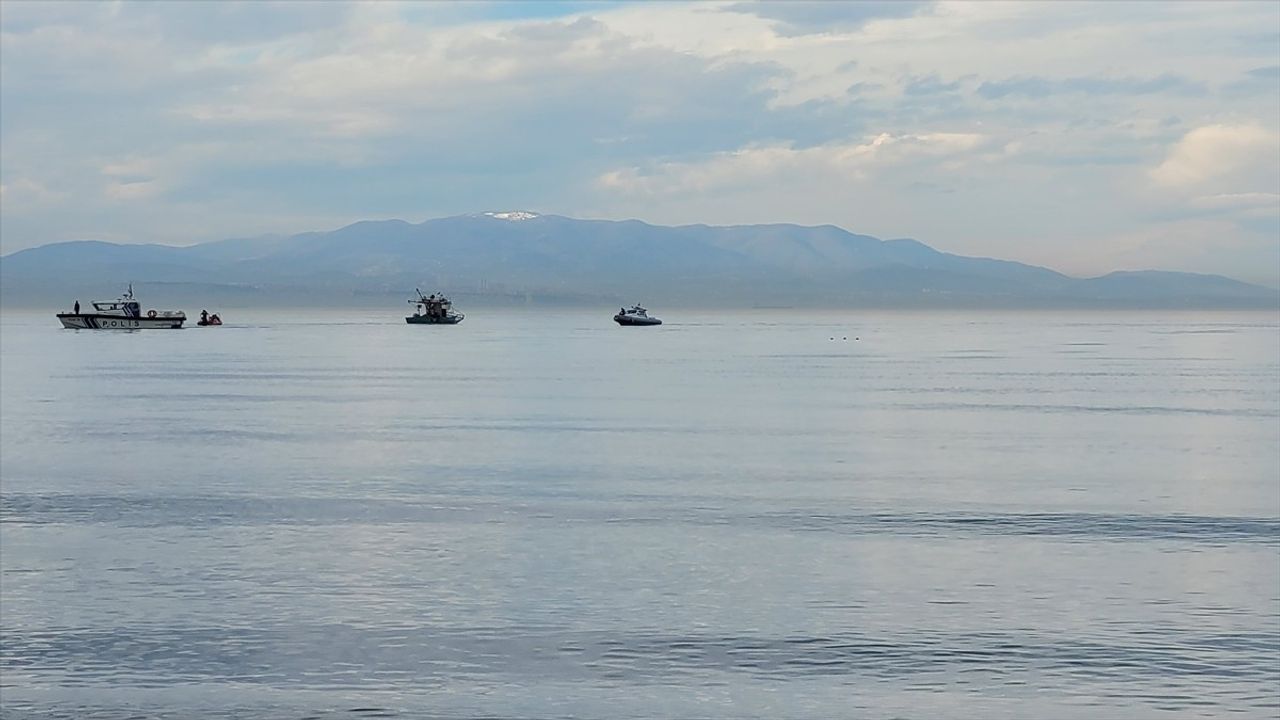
<point>635,315</point>
<point>124,313</point>
<point>433,309</point>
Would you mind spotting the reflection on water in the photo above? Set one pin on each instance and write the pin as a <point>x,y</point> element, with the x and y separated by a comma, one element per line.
<point>728,516</point>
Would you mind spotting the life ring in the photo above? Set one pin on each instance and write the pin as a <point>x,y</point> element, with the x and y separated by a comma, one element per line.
<point>151,313</point>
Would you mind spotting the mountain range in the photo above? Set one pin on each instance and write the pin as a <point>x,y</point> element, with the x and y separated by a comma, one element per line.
<point>526,257</point>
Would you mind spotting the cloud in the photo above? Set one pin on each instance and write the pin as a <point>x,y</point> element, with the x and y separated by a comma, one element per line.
<point>1235,156</point>
<point>1265,202</point>
<point>132,190</point>
<point>1225,177</point>
<point>801,17</point>
<point>765,165</point>
<point>398,80</point>
<point>1039,87</point>
<point>930,85</point>
<point>172,122</point>
<point>24,195</point>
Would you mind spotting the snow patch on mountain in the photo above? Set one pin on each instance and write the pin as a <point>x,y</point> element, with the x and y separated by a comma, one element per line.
<point>512,215</point>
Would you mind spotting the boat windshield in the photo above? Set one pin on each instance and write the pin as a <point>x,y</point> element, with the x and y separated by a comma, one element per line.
<point>129,308</point>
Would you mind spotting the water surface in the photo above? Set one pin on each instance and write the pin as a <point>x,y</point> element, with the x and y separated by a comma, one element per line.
<point>771,514</point>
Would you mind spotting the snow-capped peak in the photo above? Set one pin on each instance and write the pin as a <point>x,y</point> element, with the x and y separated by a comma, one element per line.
<point>512,215</point>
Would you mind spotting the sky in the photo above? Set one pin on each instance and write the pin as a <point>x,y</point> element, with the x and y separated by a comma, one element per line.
<point>1084,137</point>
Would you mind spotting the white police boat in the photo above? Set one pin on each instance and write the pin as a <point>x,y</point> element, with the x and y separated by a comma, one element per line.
<point>122,314</point>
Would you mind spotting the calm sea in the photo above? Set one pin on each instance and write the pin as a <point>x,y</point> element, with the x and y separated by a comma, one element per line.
<point>542,515</point>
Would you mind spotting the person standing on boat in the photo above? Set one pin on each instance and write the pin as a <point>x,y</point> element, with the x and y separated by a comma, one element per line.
<point>77,308</point>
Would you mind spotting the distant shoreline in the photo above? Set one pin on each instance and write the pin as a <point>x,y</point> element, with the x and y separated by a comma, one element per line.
<point>478,309</point>
<point>527,259</point>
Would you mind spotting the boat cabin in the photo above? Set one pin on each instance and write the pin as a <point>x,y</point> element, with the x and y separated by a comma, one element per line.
<point>433,309</point>
<point>125,307</point>
<point>433,306</point>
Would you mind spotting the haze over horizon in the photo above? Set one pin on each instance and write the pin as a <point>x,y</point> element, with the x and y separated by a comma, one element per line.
<point>1086,138</point>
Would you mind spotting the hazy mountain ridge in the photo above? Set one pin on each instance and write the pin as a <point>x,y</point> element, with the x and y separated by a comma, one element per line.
<point>543,256</point>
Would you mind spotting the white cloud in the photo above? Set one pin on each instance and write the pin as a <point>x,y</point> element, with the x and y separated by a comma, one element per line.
<point>1221,154</point>
<point>698,112</point>
<point>764,165</point>
<point>25,195</point>
<point>1258,204</point>
<point>135,190</point>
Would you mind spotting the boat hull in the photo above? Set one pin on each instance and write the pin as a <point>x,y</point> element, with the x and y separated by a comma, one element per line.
<point>90,321</point>
<point>627,320</point>
<point>424,320</point>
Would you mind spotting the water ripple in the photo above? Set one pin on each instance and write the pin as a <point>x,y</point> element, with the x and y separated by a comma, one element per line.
<point>207,511</point>
<point>381,656</point>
